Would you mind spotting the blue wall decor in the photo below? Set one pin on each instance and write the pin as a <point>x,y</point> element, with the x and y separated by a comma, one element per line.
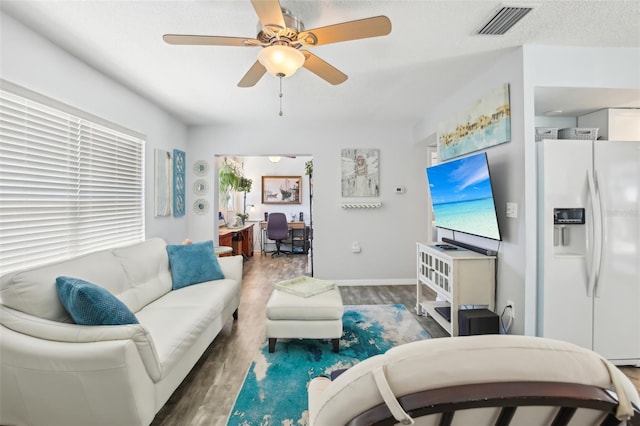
<point>179,161</point>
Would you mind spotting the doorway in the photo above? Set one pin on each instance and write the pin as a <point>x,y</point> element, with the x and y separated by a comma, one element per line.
<point>294,199</point>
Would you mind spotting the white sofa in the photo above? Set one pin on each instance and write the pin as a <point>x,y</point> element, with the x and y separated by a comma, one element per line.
<point>55,372</point>
<point>474,380</point>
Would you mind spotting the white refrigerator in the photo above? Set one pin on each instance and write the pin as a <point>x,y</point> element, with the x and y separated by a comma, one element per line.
<point>589,245</point>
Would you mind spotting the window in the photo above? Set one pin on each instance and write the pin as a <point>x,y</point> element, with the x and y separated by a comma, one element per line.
<point>69,184</point>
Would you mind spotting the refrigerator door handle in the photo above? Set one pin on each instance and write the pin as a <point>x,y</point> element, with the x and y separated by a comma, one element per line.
<point>600,236</point>
<point>591,270</point>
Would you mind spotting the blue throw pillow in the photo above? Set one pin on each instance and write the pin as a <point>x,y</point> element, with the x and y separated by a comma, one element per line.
<point>193,263</point>
<point>89,304</point>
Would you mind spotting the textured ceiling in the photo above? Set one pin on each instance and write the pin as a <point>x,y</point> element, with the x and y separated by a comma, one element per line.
<point>430,50</point>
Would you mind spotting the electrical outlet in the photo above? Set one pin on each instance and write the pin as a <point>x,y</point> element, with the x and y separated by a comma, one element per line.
<point>513,308</point>
<point>355,247</point>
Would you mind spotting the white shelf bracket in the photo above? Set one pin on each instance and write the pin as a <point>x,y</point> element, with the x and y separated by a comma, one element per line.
<point>361,204</point>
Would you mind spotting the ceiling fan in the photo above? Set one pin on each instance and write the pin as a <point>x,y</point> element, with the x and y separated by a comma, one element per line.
<point>282,37</point>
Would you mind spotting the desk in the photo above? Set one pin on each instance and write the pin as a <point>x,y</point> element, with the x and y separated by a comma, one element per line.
<point>298,237</point>
<point>240,239</point>
<point>291,225</point>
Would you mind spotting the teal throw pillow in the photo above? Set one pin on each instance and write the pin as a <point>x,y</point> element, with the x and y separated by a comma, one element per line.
<point>89,304</point>
<point>193,263</point>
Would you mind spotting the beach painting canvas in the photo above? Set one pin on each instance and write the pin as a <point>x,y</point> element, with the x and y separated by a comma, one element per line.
<point>485,123</point>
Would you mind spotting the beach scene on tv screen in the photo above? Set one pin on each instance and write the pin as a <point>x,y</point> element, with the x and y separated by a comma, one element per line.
<point>462,198</point>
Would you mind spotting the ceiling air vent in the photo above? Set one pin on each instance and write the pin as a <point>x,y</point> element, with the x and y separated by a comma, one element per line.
<point>503,19</point>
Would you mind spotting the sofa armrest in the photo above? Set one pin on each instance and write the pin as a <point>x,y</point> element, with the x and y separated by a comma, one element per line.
<point>231,267</point>
<point>327,402</point>
<point>41,328</point>
<point>47,382</point>
<point>316,390</point>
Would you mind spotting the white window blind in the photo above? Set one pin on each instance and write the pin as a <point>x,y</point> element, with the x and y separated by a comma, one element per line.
<point>68,186</point>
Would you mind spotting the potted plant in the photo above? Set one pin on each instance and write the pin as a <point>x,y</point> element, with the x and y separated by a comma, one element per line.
<point>242,217</point>
<point>244,185</point>
<point>231,179</point>
<point>228,180</point>
<point>229,176</point>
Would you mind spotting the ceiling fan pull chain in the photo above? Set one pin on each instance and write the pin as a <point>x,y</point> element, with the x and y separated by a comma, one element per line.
<point>280,114</point>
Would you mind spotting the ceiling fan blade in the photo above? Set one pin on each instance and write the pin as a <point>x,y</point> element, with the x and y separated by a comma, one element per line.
<point>270,13</point>
<point>184,39</point>
<point>352,30</point>
<point>252,76</point>
<point>323,69</point>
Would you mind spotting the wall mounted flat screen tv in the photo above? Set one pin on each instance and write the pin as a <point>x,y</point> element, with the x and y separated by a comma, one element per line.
<point>462,197</point>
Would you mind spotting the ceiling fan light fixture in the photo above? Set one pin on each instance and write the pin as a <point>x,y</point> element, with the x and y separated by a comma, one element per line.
<point>281,60</point>
<point>274,158</point>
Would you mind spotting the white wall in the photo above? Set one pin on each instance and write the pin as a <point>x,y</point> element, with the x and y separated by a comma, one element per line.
<point>33,62</point>
<point>387,235</point>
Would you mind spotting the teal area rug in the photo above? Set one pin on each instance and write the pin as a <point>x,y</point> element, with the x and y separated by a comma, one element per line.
<point>274,391</point>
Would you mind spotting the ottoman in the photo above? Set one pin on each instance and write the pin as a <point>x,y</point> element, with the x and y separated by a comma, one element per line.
<point>294,317</point>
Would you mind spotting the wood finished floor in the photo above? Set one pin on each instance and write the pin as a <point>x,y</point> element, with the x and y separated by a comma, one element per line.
<point>207,394</point>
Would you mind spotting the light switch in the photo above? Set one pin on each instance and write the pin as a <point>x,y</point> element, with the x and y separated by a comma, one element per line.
<point>512,210</point>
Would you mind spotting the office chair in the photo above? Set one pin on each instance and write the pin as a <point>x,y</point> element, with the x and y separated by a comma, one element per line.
<point>277,230</point>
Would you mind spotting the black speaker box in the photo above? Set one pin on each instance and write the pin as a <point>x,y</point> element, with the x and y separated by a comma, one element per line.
<point>477,321</point>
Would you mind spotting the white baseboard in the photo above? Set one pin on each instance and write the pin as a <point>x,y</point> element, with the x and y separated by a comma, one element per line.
<point>393,281</point>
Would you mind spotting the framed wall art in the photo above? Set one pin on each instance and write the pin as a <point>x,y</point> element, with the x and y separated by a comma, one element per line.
<point>179,184</point>
<point>281,189</point>
<point>162,184</point>
<point>201,206</point>
<point>200,187</point>
<point>201,168</point>
<point>360,172</point>
<point>484,124</point>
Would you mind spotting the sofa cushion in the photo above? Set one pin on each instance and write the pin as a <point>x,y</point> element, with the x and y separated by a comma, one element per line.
<point>146,266</point>
<point>177,320</point>
<point>193,263</point>
<point>33,291</point>
<point>89,304</point>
